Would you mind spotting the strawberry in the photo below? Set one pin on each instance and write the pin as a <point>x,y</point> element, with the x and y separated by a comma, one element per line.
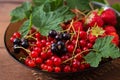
<point>92,38</point>
<point>109,17</point>
<point>78,25</point>
<point>109,29</point>
<point>115,39</point>
<point>94,19</point>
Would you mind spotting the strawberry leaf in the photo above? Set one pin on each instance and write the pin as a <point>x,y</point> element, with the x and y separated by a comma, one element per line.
<point>53,4</point>
<point>103,48</point>
<point>21,12</point>
<point>24,29</point>
<point>46,21</point>
<point>78,4</point>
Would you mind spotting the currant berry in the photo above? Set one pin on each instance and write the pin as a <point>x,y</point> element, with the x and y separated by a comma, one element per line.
<point>43,42</point>
<point>17,41</point>
<point>37,35</point>
<point>34,54</point>
<point>60,45</point>
<point>82,67</point>
<point>39,44</point>
<point>66,36</point>
<point>70,48</point>
<point>83,35</point>
<point>89,45</point>
<point>37,49</point>
<point>43,55</point>
<point>58,37</point>
<point>57,61</point>
<point>54,49</point>
<point>16,49</point>
<point>17,35</point>
<point>49,54</point>
<point>49,68</point>
<point>38,60</point>
<point>67,68</point>
<point>49,62</point>
<point>57,69</point>
<point>82,43</point>
<point>31,63</point>
<point>75,63</point>
<point>25,43</point>
<point>52,33</point>
<point>12,39</point>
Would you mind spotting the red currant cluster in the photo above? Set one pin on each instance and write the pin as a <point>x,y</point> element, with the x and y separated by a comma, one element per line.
<point>64,51</point>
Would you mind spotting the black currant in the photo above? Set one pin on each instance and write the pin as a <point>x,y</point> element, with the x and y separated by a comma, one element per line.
<point>52,33</point>
<point>64,50</point>
<point>54,49</point>
<point>66,36</point>
<point>16,49</point>
<point>17,41</point>
<point>25,43</point>
<point>58,37</point>
<point>60,45</point>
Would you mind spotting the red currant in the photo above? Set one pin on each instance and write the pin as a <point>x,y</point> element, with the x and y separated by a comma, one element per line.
<point>17,35</point>
<point>57,61</point>
<point>49,68</point>
<point>83,43</point>
<point>67,68</point>
<point>83,35</point>
<point>38,60</point>
<point>49,62</point>
<point>34,54</point>
<point>43,55</point>
<point>31,63</point>
<point>70,48</point>
<point>57,69</point>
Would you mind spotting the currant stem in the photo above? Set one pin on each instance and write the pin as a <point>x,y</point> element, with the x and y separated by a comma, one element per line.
<point>28,51</point>
<point>78,55</point>
<point>76,42</point>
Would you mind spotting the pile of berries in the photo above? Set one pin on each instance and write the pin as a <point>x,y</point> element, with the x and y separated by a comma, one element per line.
<point>64,51</point>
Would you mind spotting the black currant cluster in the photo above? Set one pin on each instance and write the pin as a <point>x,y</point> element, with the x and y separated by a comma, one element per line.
<point>58,47</point>
<point>19,42</point>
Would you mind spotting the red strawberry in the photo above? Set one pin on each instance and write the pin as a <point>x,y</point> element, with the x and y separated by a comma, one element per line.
<point>109,17</point>
<point>109,29</point>
<point>78,25</point>
<point>115,39</point>
<point>92,38</point>
<point>94,19</point>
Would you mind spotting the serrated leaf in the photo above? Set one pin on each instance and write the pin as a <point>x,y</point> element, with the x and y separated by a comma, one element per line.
<point>20,12</point>
<point>103,48</point>
<point>46,21</point>
<point>24,29</point>
<point>79,4</point>
<point>93,58</point>
<point>49,4</point>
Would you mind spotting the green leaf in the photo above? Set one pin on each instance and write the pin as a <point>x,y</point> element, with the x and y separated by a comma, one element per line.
<point>116,6</point>
<point>21,12</point>
<point>24,29</point>
<point>52,4</point>
<point>46,21</point>
<point>79,4</point>
<point>93,58</point>
<point>103,48</point>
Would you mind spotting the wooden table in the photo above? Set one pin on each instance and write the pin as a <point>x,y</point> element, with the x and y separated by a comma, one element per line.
<point>12,70</point>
